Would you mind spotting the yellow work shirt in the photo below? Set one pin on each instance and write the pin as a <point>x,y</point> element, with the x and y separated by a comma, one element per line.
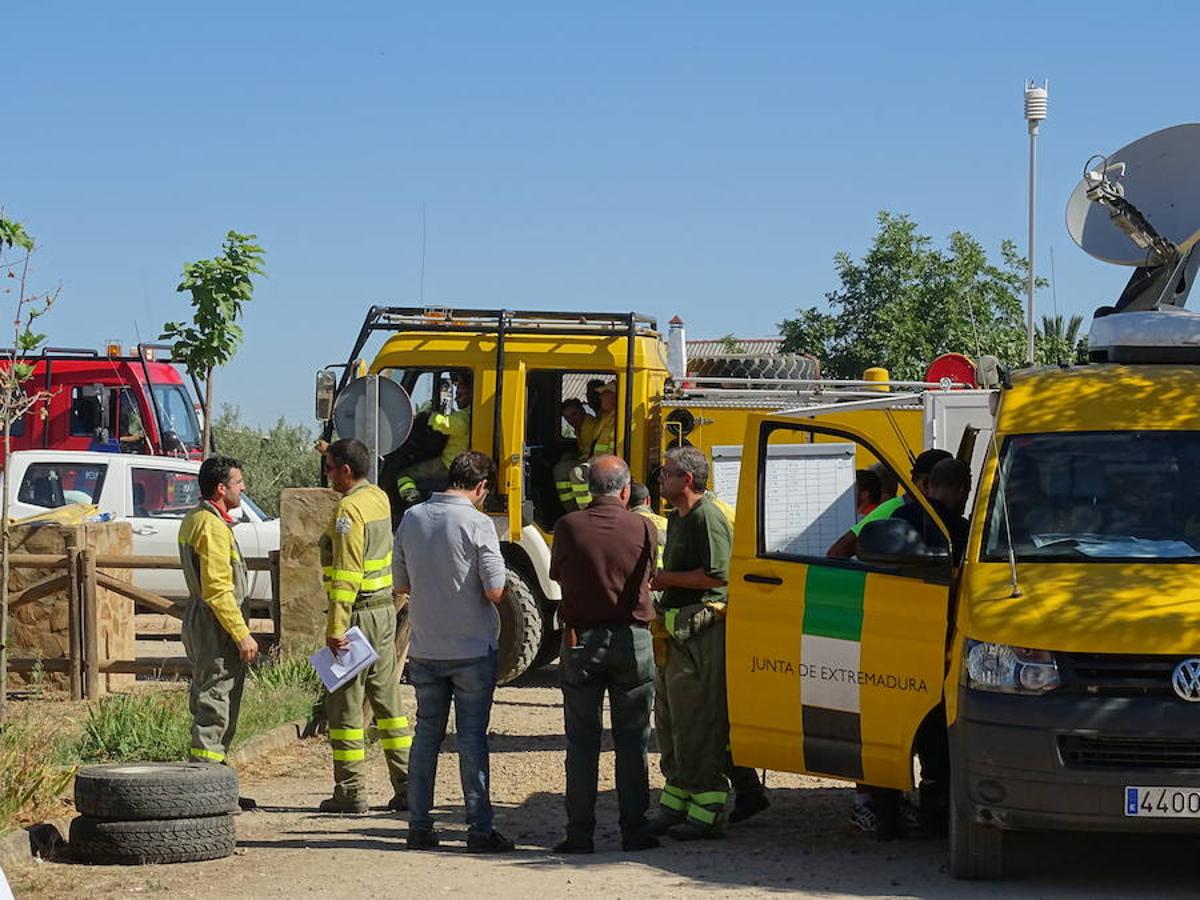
<point>356,554</point>
<point>457,426</point>
<point>603,438</point>
<point>213,567</point>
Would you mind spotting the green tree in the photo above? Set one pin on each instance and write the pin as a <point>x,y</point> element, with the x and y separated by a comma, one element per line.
<point>907,301</point>
<point>1058,341</point>
<point>272,460</point>
<point>730,344</point>
<point>16,398</point>
<point>219,287</point>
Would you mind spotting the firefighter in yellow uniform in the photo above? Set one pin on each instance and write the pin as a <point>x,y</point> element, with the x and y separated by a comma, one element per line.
<point>600,439</point>
<point>215,634</point>
<point>584,426</point>
<point>356,556</point>
<point>430,474</point>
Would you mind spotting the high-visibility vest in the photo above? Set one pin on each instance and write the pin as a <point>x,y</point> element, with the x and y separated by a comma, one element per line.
<point>356,554</point>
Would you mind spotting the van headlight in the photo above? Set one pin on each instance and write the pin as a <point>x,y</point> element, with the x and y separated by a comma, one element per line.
<point>1009,670</point>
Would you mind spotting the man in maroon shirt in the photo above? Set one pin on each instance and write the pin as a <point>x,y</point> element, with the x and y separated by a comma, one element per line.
<point>604,557</point>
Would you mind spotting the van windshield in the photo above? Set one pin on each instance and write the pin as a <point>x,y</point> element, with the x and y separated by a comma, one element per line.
<point>176,414</point>
<point>1129,495</point>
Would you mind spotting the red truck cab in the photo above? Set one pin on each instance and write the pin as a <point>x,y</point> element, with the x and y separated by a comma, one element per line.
<point>133,404</point>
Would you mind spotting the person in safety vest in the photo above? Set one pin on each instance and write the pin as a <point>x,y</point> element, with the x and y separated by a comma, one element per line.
<point>428,475</point>
<point>216,636</point>
<point>584,426</point>
<point>749,793</point>
<point>639,502</point>
<point>690,713</point>
<point>356,558</point>
<point>598,440</point>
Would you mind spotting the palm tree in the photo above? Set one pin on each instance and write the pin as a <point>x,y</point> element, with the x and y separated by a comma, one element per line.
<point>1057,339</point>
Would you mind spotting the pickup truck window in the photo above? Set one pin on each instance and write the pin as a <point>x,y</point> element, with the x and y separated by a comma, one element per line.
<point>162,493</point>
<point>56,484</point>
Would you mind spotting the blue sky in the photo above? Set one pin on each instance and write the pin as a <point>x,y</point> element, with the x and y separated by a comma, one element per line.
<point>705,159</point>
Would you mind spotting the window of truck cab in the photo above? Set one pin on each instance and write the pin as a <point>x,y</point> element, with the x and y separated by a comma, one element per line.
<point>177,414</point>
<point>1119,496</point>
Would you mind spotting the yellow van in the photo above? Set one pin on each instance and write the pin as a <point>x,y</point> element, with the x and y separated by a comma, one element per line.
<point>1063,656</point>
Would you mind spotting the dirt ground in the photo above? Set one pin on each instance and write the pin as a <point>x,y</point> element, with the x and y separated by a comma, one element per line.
<point>800,846</point>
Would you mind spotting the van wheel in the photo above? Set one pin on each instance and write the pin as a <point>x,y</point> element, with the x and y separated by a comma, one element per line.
<point>520,628</point>
<point>976,851</point>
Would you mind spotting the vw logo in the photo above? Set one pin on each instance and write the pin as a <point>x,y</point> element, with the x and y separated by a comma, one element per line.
<point>1186,680</point>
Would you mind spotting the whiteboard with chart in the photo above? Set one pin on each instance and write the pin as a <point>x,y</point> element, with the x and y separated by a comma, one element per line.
<point>808,494</point>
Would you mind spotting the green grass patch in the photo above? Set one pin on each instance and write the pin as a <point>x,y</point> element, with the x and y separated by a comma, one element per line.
<point>156,727</point>
<point>40,747</point>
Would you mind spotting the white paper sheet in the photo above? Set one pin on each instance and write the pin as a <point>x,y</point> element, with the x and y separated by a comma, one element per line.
<point>337,670</point>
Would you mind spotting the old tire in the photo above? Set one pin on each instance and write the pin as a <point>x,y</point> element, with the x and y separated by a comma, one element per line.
<point>976,851</point>
<point>778,366</point>
<point>520,628</point>
<point>136,791</point>
<point>156,841</point>
<point>551,638</point>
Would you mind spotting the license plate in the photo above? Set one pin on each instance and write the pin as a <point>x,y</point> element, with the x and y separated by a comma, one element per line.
<point>1162,802</point>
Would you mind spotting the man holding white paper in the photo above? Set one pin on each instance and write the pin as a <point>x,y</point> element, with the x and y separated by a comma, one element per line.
<point>356,558</point>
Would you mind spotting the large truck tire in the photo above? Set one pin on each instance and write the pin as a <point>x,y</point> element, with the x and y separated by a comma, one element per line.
<point>521,628</point>
<point>792,366</point>
<point>976,851</point>
<point>136,791</point>
<point>105,842</point>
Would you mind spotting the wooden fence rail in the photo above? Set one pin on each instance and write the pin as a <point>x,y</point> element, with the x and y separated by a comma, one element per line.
<point>76,571</point>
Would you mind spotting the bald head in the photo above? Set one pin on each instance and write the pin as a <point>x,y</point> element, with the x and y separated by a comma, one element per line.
<point>608,476</point>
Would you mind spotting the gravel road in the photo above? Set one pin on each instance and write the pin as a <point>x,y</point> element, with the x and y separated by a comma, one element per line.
<point>800,846</point>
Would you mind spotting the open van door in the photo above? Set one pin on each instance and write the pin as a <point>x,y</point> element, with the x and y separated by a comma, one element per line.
<point>832,664</point>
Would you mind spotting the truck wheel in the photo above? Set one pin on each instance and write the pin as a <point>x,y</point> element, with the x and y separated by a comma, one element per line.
<point>156,841</point>
<point>976,851</point>
<point>520,628</point>
<point>156,791</point>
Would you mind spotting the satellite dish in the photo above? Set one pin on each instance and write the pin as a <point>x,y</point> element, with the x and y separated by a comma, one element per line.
<point>1158,176</point>
<point>353,416</point>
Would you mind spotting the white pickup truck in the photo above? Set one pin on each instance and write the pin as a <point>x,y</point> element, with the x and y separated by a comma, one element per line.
<point>153,493</point>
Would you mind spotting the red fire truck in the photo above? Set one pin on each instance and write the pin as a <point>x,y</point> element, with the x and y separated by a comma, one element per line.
<point>110,401</point>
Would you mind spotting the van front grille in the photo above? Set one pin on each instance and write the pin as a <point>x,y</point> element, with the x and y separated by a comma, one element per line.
<point>1128,753</point>
<point>1117,674</point>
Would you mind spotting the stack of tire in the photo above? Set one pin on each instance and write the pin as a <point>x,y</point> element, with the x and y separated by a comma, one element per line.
<point>138,813</point>
<point>787,366</point>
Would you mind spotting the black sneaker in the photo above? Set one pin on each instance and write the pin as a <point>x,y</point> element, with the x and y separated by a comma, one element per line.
<point>572,845</point>
<point>489,843</point>
<point>398,803</point>
<point>747,805</point>
<point>664,820</point>
<point>422,840</point>
<point>635,842</point>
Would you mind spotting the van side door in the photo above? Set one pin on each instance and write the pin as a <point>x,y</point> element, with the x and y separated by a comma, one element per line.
<point>832,664</point>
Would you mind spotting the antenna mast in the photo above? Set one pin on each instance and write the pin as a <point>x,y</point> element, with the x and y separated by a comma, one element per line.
<point>1035,111</point>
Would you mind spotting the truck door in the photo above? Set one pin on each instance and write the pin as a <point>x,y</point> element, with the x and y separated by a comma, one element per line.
<point>832,664</point>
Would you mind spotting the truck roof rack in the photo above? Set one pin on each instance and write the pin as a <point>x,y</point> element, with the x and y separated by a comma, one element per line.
<point>488,321</point>
<point>503,323</point>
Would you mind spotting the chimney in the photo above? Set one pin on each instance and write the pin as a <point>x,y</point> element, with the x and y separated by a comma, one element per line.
<point>676,350</point>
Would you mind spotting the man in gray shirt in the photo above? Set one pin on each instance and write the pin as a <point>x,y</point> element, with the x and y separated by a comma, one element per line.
<point>447,557</point>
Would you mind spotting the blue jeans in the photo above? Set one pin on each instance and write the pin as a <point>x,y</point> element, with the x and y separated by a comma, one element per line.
<point>470,683</point>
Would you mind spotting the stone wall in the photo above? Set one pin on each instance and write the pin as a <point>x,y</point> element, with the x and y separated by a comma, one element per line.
<point>40,628</point>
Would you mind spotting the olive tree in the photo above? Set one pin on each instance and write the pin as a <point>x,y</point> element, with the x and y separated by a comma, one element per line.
<point>16,397</point>
<point>219,287</point>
